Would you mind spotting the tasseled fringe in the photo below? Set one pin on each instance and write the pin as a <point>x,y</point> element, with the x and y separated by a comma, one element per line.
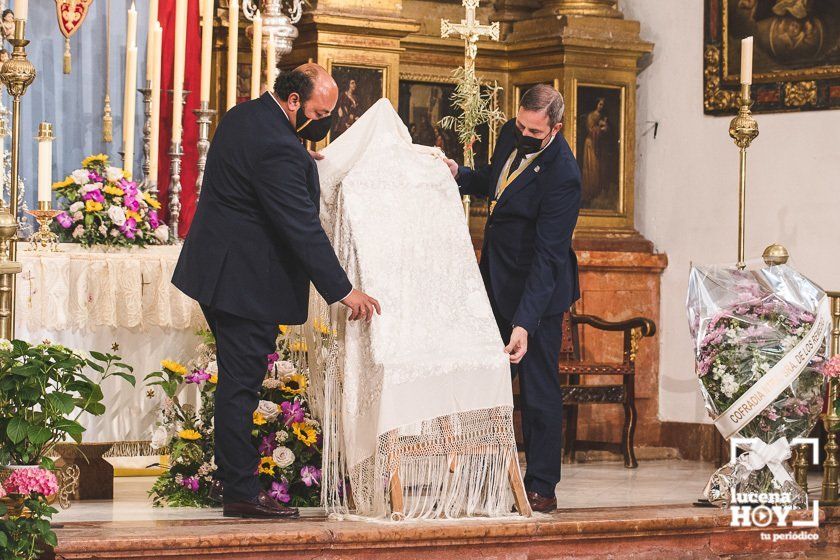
<point>135,449</point>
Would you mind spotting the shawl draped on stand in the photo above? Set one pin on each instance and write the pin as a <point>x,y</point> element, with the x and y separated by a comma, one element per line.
<point>423,392</point>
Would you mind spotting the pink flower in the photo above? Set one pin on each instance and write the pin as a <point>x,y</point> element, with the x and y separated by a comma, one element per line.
<point>190,483</point>
<point>832,367</point>
<point>95,195</point>
<point>154,221</point>
<point>280,492</point>
<point>131,203</point>
<point>198,376</point>
<point>310,475</point>
<point>292,412</point>
<point>34,480</point>
<point>268,445</point>
<point>64,219</point>
<point>129,228</point>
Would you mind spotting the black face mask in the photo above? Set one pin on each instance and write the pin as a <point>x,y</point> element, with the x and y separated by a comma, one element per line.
<point>313,129</point>
<point>527,144</point>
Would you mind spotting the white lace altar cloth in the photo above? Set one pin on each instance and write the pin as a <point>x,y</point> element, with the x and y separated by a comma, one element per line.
<point>89,299</point>
<point>426,387</point>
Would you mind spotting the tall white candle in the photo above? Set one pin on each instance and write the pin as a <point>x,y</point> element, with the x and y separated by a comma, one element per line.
<point>154,141</point>
<point>21,9</point>
<point>206,48</point>
<point>270,63</point>
<point>180,60</point>
<point>45,162</point>
<point>129,106</point>
<point>746,60</point>
<point>131,28</point>
<point>256,57</point>
<point>150,40</point>
<point>233,48</point>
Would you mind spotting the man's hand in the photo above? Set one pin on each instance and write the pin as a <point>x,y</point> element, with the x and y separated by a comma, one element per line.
<point>518,345</point>
<point>453,166</point>
<point>362,306</point>
<point>316,155</point>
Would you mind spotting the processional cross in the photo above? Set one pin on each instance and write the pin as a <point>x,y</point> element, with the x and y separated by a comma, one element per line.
<point>470,30</point>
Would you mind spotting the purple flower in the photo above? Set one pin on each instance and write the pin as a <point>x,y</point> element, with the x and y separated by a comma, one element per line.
<point>95,195</point>
<point>65,220</point>
<point>310,475</point>
<point>191,483</point>
<point>197,377</point>
<point>292,412</point>
<point>130,188</point>
<point>268,445</point>
<point>131,203</point>
<point>280,492</point>
<point>95,177</point>
<point>129,227</point>
<point>154,221</point>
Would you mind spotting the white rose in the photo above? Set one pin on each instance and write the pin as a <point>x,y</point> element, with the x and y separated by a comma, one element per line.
<point>77,206</point>
<point>117,215</point>
<point>5,344</point>
<point>78,232</point>
<point>113,174</point>
<point>283,456</point>
<point>160,437</point>
<point>212,368</point>
<point>162,233</point>
<point>81,176</point>
<point>269,410</point>
<point>284,368</point>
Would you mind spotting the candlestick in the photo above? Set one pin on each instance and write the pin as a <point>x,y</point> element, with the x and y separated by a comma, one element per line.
<point>256,56</point>
<point>176,151</point>
<point>150,40</point>
<point>129,106</point>
<point>154,135</point>
<point>44,238</point>
<point>743,129</point>
<point>178,81</point>
<point>233,48</point>
<point>107,118</point>
<point>206,48</point>
<point>204,116</point>
<point>146,166</point>
<point>831,420</point>
<point>746,60</point>
<point>45,139</point>
<point>8,269</point>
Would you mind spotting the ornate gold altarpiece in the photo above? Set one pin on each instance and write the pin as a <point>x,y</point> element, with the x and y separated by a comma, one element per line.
<point>572,44</point>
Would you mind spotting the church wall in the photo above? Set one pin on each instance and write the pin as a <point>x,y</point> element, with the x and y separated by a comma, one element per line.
<point>687,185</point>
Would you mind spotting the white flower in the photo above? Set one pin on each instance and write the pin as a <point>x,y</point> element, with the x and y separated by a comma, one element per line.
<point>5,344</point>
<point>113,174</point>
<point>281,436</point>
<point>284,368</point>
<point>77,206</point>
<point>115,233</point>
<point>269,410</point>
<point>728,385</point>
<point>283,456</point>
<point>160,437</point>
<point>78,232</point>
<point>103,230</point>
<point>212,368</point>
<point>117,215</point>
<point>91,187</point>
<point>81,176</point>
<point>77,216</point>
<point>162,233</point>
<point>789,342</point>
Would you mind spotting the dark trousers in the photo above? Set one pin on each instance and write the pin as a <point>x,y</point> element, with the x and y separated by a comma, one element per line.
<point>541,402</point>
<point>242,349</point>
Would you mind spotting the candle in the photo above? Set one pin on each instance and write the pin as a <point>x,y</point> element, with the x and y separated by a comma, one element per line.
<point>180,59</point>
<point>206,48</point>
<point>154,141</point>
<point>129,103</point>
<point>21,9</point>
<point>150,40</point>
<point>131,29</point>
<point>256,57</point>
<point>233,48</point>
<point>746,60</point>
<point>270,62</point>
<point>45,139</point>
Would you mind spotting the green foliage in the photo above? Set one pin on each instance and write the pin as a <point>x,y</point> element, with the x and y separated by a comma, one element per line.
<point>25,538</point>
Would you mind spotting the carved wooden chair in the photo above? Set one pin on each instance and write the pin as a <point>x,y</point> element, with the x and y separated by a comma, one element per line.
<point>573,369</point>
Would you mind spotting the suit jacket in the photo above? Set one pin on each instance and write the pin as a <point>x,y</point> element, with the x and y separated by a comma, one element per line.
<point>256,240</point>
<point>527,261</point>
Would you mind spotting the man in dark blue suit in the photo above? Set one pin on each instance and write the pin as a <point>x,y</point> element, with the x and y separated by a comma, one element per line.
<point>529,267</point>
<point>255,244</point>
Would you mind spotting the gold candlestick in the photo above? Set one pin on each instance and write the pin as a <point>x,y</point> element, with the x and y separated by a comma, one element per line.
<point>16,73</point>
<point>743,129</point>
<point>831,420</point>
<point>8,269</point>
<point>44,238</point>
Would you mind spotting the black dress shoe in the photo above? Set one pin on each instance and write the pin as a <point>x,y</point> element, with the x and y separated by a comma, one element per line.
<point>262,505</point>
<point>542,504</point>
<point>217,492</point>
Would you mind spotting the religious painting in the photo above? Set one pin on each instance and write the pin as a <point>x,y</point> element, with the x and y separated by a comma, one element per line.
<point>796,59</point>
<point>243,80</point>
<point>359,87</point>
<point>422,105</point>
<point>598,147</point>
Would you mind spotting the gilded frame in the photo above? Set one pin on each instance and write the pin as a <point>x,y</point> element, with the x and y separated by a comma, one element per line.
<point>353,64</point>
<point>803,89</point>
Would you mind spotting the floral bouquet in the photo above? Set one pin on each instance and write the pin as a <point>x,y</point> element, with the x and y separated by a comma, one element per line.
<point>286,436</point>
<point>760,346</point>
<point>102,206</point>
<point>25,513</point>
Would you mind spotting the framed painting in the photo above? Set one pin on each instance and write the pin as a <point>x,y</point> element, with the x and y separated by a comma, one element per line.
<point>599,148</point>
<point>796,59</point>
<point>421,107</point>
<point>359,87</point>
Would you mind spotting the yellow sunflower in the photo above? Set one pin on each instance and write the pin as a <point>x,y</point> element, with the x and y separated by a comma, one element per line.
<point>137,217</point>
<point>174,367</point>
<point>294,385</point>
<point>62,184</point>
<point>259,419</point>
<point>305,433</point>
<point>93,206</point>
<point>151,201</point>
<point>284,330</point>
<point>267,466</point>
<point>95,158</point>
<point>191,435</point>
<point>116,191</point>
<point>214,379</point>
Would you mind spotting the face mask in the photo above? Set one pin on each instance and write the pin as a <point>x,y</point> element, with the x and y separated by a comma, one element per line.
<point>527,144</point>
<point>312,129</point>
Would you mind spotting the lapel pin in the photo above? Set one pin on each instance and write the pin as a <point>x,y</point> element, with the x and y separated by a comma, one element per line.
<point>537,169</point>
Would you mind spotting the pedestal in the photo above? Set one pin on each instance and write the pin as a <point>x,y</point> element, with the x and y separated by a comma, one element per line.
<point>96,475</point>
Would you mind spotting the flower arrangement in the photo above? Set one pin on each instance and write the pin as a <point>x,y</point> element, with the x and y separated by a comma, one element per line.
<point>25,513</point>
<point>101,205</point>
<point>33,480</point>
<point>285,434</point>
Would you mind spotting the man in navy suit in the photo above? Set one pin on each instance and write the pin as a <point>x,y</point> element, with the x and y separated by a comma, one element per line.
<point>529,267</point>
<point>255,244</point>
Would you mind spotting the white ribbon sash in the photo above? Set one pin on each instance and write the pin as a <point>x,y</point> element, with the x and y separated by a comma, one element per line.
<point>765,390</point>
<point>772,456</point>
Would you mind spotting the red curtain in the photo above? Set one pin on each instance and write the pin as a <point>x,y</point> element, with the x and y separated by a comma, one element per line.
<point>192,81</point>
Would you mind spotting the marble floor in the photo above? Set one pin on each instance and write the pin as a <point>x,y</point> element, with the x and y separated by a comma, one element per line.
<point>587,485</point>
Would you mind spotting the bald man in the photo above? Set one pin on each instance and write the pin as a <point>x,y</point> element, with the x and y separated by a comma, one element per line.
<point>254,246</point>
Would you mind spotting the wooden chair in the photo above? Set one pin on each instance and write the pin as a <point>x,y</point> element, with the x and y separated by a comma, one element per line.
<point>572,369</point>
